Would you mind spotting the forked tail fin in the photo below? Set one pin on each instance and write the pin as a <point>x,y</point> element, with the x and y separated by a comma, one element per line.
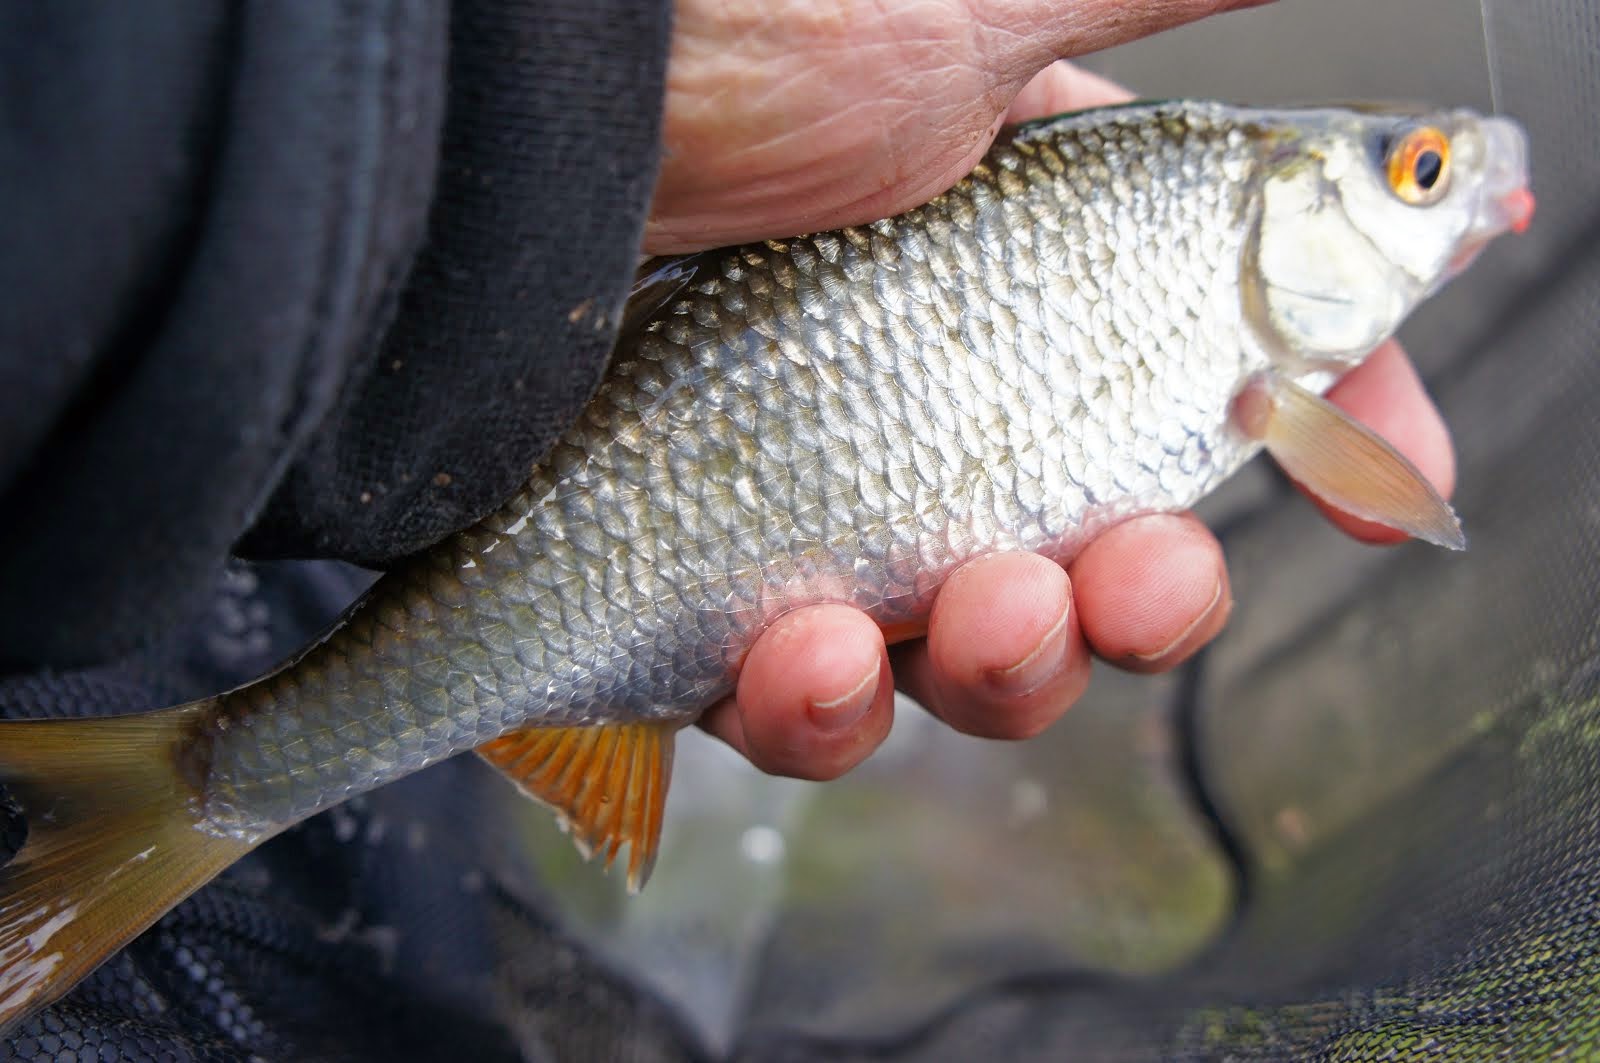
<point>112,844</point>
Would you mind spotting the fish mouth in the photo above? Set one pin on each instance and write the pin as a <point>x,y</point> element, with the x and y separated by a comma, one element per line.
<point>1505,203</point>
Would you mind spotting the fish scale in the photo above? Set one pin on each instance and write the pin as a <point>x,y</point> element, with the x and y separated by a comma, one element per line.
<point>837,417</point>
<point>1106,318</point>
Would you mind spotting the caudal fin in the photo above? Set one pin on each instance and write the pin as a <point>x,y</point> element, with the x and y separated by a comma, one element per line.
<point>112,844</point>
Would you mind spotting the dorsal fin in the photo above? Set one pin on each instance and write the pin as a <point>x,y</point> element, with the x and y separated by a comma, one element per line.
<point>657,282</point>
<point>608,784</point>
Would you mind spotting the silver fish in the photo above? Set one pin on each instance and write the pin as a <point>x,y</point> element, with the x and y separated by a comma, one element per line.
<point>1108,317</point>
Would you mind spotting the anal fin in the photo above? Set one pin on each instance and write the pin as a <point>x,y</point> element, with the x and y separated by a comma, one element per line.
<point>608,783</point>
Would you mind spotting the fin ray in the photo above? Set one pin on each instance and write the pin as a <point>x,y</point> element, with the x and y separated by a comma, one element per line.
<point>657,282</point>
<point>1345,463</point>
<point>112,844</point>
<point>607,783</point>
<point>904,631</point>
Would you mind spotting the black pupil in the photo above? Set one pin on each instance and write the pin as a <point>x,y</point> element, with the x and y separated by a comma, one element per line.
<point>1429,166</point>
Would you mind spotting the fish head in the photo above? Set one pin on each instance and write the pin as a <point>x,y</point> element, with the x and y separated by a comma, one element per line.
<point>1363,214</point>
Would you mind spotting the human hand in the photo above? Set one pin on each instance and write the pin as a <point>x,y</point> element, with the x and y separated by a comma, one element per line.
<point>1012,635</point>
<point>796,116</point>
<point>774,127</point>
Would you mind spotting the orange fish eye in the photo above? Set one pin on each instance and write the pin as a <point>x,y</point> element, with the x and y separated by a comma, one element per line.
<point>1419,166</point>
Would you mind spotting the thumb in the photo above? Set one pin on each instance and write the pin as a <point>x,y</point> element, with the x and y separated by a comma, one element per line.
<point>791,116</point>
<point>1019,37</point>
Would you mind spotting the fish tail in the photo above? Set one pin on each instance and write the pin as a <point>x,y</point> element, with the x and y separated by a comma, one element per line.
<point>114,841</point>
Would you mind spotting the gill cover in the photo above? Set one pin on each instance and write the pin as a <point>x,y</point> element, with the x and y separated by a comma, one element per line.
<point>1361,216</point>
<point>1322,291</point>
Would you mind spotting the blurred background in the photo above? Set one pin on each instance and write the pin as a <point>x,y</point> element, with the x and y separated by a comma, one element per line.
<point>1317,836</point>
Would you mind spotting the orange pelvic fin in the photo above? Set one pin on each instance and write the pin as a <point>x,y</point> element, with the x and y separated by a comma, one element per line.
<point>904,631</point>
<point>607,783</point>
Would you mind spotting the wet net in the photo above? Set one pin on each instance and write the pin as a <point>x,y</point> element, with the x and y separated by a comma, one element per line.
<point>1362,826</point>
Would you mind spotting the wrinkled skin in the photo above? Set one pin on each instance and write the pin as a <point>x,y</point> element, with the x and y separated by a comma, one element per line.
<point>791,117</point>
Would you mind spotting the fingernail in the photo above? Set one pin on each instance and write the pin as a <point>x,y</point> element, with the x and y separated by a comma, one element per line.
<point>1040,666</point>
<point>848,709</point>
<point>1218,601</point>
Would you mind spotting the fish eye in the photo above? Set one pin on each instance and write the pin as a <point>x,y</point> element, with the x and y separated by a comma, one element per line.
<point>1419,166</point>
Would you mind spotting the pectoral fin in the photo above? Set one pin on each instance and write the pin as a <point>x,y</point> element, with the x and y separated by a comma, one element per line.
<point>1345,463</point>
<point>607,783</point>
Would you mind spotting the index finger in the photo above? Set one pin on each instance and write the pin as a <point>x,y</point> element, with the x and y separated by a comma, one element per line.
<point>1061,87</point>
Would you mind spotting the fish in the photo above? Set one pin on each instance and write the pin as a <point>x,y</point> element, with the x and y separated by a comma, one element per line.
<point>1108,317</point>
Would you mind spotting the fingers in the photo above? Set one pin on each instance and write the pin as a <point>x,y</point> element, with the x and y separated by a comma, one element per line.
<point>1005,656</point>
<point>1010,640</point>
<point>1152,591</point>
<point>1008,648</point>
<point>1064,86</point>
<point>815,695</point>
<point>1385,393</point>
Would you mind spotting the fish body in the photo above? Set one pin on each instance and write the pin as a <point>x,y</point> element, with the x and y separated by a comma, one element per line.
<point>1108,317</point>
<point>841,417</point>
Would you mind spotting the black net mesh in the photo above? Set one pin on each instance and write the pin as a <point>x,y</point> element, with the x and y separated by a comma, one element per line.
<point>1360,827</point>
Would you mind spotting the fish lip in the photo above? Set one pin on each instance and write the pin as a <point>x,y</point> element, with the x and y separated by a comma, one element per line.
<point>1504,202</point>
